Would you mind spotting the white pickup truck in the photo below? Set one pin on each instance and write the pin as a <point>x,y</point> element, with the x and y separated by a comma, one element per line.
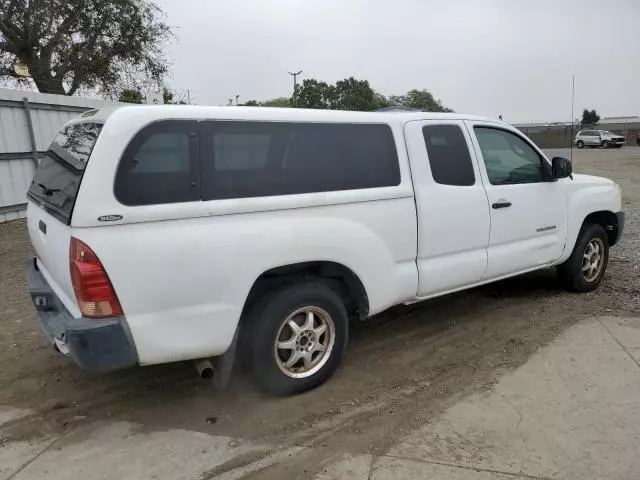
<point>168,233</point>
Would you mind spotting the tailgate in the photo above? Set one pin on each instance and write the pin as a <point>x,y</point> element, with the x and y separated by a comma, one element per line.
<point>52,195</point>
<point>50,239</point>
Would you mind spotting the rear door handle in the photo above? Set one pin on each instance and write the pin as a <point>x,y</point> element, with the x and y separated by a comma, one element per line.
<point>501,205</point>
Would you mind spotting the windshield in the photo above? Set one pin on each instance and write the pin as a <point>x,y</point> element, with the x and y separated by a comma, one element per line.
<point>56,181</point>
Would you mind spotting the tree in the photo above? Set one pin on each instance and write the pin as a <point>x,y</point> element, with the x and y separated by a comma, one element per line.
<point>380,101</point>
<point>420,99</point>
<point>252,103</point>
<point>130,95</point>
<point>352,94</point>
<point>167,96</point>
<point>282,102</point>
<point>590,117</point>
<point>73,44</point>
<point>314,94</point>
<point>347,94</point>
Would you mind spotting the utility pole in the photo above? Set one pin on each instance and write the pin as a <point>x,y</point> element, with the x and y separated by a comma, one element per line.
<point>573,94</point>
<point>295,81</point>
<point>188,97</point>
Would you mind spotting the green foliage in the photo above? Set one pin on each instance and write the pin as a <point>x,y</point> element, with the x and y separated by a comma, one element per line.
<point>420,99</point>
<point>347,94</point>
<point>129,95</point>
<point>380,101</point>
<point>252,103</point>
<point>313,94</point>
<point>167,95</point>
<point>76,44</point>
<point>282,102</point>
<point>590,117</point>
<point>352,94</point>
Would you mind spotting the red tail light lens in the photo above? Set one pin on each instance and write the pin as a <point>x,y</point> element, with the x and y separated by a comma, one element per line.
<point>94,292</point>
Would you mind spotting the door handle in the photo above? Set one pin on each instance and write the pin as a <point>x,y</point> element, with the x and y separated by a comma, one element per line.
<point>502,204</point>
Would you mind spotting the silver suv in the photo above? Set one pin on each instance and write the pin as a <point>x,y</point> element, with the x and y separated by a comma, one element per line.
<point>598,138</point>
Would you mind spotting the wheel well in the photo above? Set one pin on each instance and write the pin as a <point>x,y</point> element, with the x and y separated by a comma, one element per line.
<point>609,222</point>
<point>338,277</point>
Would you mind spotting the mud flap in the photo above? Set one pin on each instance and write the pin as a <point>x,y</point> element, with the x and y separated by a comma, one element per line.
<point>223,365</point>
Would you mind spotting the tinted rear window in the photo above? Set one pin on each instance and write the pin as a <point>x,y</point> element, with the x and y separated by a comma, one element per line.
<point>160,165</point>
<point>57,178</point>
<point>254,159</point>
<point>448,155</point>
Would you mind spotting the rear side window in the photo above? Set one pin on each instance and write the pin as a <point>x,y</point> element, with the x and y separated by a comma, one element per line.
<point>255,159</point>
<point>448,155</point>
<point>160,165</point>
<point>57,178</point>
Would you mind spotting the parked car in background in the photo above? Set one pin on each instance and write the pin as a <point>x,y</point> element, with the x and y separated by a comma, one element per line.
<point>638,138</point>
<point>599,138</point>
<point>169,233</point>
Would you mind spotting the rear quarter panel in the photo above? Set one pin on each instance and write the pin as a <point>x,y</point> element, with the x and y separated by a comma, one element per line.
<point>183,283</point>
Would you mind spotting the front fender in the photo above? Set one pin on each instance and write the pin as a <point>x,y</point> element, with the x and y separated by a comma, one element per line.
<point>586,195</point>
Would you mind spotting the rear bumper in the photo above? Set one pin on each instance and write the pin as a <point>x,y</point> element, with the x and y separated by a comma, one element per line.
<point>95,345</point>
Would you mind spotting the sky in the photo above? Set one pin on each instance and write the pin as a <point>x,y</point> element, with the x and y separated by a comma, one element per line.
<point>483,57</point>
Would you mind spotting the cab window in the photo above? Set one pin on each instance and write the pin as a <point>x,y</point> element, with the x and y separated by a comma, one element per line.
<point>508,158</point>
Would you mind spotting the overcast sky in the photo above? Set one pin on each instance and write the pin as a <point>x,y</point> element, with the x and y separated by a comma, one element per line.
<point>484,57</point>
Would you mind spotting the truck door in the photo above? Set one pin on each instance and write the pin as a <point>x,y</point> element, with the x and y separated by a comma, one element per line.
<point>452,206</point>
<point>528,208</point>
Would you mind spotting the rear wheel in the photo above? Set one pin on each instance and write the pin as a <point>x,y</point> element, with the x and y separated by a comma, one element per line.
<point>580,144</point>
<point>584,269</point>
<point>605,144</point>
<point>297,337</point>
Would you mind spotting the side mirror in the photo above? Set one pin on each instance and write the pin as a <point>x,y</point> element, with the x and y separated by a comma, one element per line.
<point>560,167</point>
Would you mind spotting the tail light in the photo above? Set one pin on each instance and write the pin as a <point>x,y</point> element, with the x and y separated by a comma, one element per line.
<point>94,292</point>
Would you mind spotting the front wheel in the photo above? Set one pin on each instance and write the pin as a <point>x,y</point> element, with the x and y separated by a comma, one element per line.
<point>584,269</point>
<point>580,144</point>
<point>605,144</point>
<point>297,337</point>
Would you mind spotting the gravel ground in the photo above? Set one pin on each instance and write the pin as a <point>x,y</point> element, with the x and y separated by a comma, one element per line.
<point>402,367</point>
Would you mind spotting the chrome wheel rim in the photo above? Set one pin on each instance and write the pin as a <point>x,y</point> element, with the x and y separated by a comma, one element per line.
<point>304,342</point>
<point>593,260</point>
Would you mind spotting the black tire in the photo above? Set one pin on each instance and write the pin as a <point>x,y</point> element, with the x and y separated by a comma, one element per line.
<point>605,144</point>
<point>571,272</point>
<point>580,144</point>
<point>264,324</point>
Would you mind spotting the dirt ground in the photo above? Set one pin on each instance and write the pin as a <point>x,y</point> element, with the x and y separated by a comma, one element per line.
<point>401,368</point>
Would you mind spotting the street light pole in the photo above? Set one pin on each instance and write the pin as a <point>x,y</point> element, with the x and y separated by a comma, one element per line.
<point>295,81</point>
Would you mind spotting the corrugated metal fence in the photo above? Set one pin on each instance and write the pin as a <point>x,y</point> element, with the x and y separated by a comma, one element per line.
<point>28,123</point>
